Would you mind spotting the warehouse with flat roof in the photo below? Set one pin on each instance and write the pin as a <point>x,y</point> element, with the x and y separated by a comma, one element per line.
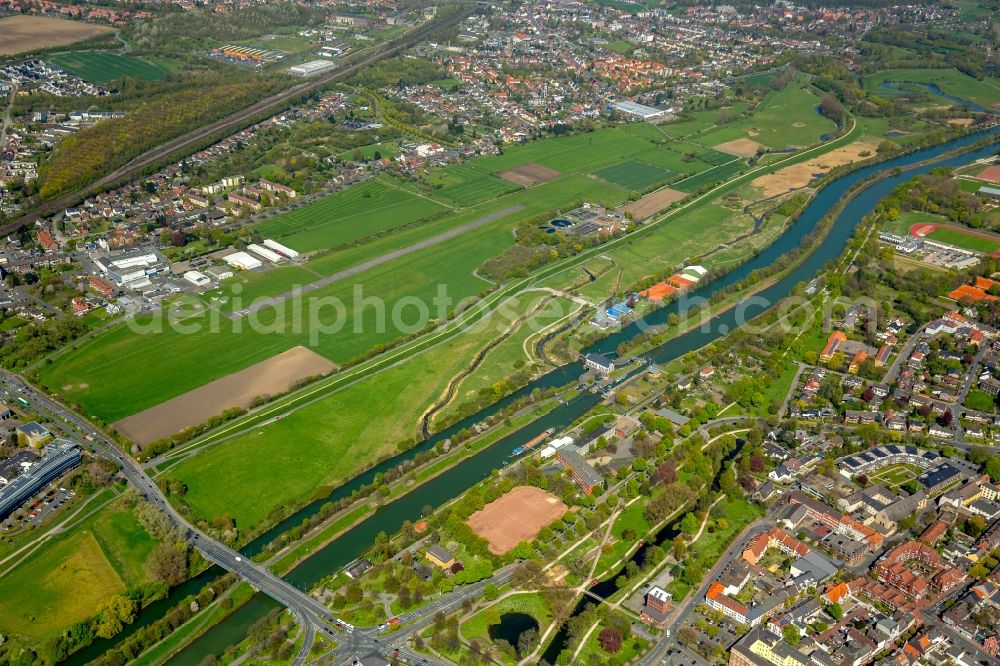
<point>242,261</point>
<point>312,68</point>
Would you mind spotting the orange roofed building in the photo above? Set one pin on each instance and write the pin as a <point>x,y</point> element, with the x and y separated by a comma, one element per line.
<point>836,339</point>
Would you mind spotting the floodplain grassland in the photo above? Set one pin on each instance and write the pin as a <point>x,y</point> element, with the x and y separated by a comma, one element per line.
<point>328,441</point>
<point>949,81</point>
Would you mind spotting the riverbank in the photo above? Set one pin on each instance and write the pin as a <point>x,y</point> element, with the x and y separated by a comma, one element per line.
<point>455,479</point>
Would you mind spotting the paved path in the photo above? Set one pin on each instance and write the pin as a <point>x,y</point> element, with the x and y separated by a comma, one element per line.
<point>378,261</point>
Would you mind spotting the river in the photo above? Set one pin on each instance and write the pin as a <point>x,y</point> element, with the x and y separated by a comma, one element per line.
<point>454,481</point>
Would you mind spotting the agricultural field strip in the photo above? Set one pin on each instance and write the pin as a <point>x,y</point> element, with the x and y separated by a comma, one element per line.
<point>285,405</point>
<point>395,254</point>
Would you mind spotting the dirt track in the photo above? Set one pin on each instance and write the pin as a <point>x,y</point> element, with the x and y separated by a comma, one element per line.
<point>30,33</point>
<point>740,147</point>
<point>529,174</point>
<point>652,203</point>
<point>800,175</point>
<point>516,517</point>
<point>271,377</point>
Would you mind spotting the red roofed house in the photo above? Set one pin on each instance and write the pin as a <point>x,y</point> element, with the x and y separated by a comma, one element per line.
<point>47,242</point>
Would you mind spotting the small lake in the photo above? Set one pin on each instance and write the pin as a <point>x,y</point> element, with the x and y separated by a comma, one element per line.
<point>511,626</point>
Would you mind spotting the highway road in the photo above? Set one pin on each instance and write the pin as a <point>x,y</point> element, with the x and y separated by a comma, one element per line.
<point>198,137</point>
<point>309,612</point>
<point>312,615</point>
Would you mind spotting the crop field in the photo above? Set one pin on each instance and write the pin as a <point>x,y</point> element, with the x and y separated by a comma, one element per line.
<point>100,67</point>
<point>949,81</point>
<point>324,443</point>
<point>363,210</point>
<point>715,174</point>
<point>31,33</point>
<point>634,175</point>
<point>69,579</point>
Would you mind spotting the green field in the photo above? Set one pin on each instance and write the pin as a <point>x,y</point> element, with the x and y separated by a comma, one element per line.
<point>949,81</point>
<point>325,443</point>
<point>634,175</point>
<point>369,208</point>
<point>968,241</point>
<point>783,118</point>
<point>530,603</point>
<point>713,175</point>
<point>895,475</point>
<point>101,67</point>
<point>124,371</point>
<point>74,574</point>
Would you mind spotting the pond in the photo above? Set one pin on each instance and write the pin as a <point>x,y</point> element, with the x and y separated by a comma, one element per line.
<point>511,626</point>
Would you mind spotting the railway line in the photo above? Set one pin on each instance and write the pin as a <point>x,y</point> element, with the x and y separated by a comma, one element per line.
<point>232,123</point>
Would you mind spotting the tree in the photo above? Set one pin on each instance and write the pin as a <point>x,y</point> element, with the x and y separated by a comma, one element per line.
<point>689,523</point>
<point>168,563</point>
<point>667,472</point>
<point>526,641</point>
<point>791,635</point>
<point>491,592</point>
<point>610,640</point>
<point>835,611</point>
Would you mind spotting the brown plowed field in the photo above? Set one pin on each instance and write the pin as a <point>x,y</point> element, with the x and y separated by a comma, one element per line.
<point>271,377</point>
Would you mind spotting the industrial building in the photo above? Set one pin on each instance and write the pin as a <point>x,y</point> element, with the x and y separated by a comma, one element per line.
<point>218,273</point>
<point>280,249</point>
<point>265,253</point>
<point>60,456</point>
<point>197,279</point>
<point>312,68</point>
<point>640,111</point>
<point>132,269</point>
<point>242,261</point>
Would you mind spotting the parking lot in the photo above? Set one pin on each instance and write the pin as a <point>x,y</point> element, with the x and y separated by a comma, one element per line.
<point>40,510</point>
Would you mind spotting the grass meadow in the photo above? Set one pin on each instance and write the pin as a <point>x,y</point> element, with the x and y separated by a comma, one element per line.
<point>74,574</point>
<point>100,67</point>
<point>949,81</point>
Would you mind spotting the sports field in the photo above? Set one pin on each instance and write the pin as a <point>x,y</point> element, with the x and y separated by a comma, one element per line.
<point>516,517</point>
<point>969,241</point>
<point>635,175</point>
<point>74,574</point>
<point>100,67</point>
